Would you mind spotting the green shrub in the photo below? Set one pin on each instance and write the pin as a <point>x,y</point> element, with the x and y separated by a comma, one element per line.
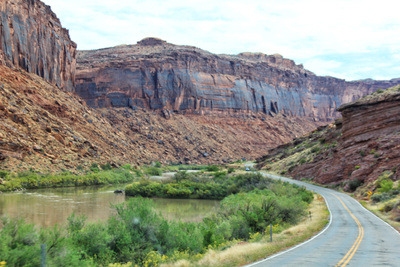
<point>79,168</point>
<point>127,167</point>
<point>136,230</point>
<point>385,186</point>
<point>157,164</point>
<point>315,149</point>
<point>3,174</point>
<point>388,206</point>
<point>94,167</point>
<point>219,174</point>
<point>354,184</point>
<point>154,171</point>
<point>106,167</point>
<point>212,168</point>
<point>303,160</point>
<point>181,176</point>
<point>231,170</point>
<point>34,180</point>
<point>380,197</point>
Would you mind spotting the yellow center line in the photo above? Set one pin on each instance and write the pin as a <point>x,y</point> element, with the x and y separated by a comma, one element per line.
<point>343,262</point>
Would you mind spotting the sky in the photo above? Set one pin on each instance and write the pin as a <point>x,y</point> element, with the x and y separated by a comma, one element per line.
<point>347,39</point>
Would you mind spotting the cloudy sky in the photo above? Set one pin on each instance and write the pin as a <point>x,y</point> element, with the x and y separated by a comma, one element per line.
<point>348,39</point>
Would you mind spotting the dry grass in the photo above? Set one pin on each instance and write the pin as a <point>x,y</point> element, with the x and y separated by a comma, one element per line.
<point>377,209</point>
<point>243,252</point>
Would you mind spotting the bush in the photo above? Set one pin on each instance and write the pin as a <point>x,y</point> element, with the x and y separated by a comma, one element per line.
<point>315,149</point>
<point>34,180</point>
<point>136,233</point>
<point>181,176</point>
<point>154,171</point>
<point>231,170</point>
<point>127,167</point>
<point>157,164</point>
<point>212,168</point>
<point>385,186</point>
<point>380,197</point>
<point>219,174</point>
<point>106,167</point>
<point>354,184</point>
<point>94,167</point>
<point>3,174</point>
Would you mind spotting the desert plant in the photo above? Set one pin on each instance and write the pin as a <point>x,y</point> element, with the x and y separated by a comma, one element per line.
<point>153,171</point>
<point>385,186</point>
<point>181,176</point>
<point>354,184</point>
<point>212,168</point>
<point>157,164</point>
<point>106,167</point>
<point>231,169</point>
<point>94,167</point>
<point>380,197</point>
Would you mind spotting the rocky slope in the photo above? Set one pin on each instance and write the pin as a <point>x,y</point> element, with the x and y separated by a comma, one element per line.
<point>358,149</point>
<point>31,37</point>
<point>46,129</point>
<point>157,75</point>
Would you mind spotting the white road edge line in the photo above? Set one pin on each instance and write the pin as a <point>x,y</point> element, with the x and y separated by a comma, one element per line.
<point>376,216</point>
<point>301,244</point>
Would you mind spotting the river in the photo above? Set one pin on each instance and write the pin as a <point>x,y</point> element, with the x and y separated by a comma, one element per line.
<point>47,207</point>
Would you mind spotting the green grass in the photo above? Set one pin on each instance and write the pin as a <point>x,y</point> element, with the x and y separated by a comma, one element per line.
<point>32,180</point>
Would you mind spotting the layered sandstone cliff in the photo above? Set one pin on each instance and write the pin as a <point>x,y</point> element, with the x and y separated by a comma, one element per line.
<point>47,129</point>
<point>31,37</point>
<point>157,75</point>
<point>357,149</point>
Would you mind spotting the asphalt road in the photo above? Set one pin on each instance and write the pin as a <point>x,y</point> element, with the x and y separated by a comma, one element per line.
<point>353,237</point>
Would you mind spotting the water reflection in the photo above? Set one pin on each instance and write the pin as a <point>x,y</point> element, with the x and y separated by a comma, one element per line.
<point>47,207</point>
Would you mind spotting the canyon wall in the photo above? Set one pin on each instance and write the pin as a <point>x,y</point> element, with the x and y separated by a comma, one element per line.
<point>32,38</point>
<point>157,75</point>
<point>358,148</point>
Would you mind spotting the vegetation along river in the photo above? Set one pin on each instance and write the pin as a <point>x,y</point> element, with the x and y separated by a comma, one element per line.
<point>46,207</point>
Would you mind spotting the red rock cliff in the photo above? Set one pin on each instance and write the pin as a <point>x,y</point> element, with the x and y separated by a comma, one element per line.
<point>359,147</point>
<point>157,75</point>
<point>31,37</point>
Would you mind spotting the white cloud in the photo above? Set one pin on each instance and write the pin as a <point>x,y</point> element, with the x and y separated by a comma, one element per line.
<point>303,30</point>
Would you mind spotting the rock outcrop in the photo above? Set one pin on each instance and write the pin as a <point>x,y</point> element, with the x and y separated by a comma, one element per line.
<point>157,75</point>
<point>31,37</point>
<point>357,149</point>
<point>49,130</point>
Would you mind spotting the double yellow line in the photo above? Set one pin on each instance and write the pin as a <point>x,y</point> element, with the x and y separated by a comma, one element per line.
<point>353,249</point>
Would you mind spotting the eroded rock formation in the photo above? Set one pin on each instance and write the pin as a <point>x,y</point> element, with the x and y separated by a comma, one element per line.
<point>157,75</point>
<point>31,37</point>
<point>357,149</point>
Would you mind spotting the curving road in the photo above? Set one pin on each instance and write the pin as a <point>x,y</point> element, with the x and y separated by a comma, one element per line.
<point>353,237</point>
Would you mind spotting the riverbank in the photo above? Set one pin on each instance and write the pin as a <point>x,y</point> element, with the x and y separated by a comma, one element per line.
<point>32,180</point>
<point>94,175</point>
<point>259,247</point>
